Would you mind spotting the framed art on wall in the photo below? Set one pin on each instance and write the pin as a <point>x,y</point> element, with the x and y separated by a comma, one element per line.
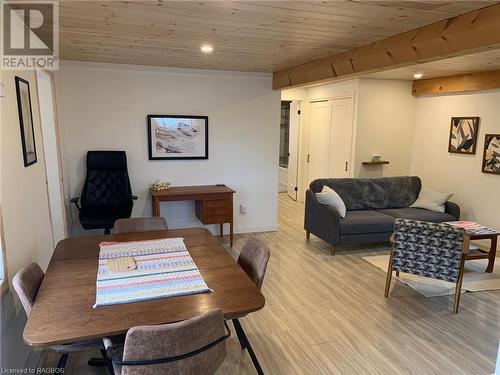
<point>463,135</point>
<point>177,137</point>
<point>26,121</point>
<point>491,155</point>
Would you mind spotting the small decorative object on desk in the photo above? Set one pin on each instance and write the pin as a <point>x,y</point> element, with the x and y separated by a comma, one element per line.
<point>160,186</point>
<point>472,227</point>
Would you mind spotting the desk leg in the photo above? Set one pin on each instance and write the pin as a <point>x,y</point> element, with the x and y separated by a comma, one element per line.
<point>221,229</point>
<point>231,223</point>
<point>156,206</point>
<point>231,233</point>
<point>492,254</point>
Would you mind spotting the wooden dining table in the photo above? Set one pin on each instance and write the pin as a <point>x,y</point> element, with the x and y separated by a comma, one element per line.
<point>63,312</point>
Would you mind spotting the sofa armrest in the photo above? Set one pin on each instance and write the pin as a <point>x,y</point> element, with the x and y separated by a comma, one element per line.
<point>453,209</point>
<point>322,221</point>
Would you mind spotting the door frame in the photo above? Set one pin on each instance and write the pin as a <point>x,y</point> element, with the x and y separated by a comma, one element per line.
<point>297,146</point>
<point>51,76</point>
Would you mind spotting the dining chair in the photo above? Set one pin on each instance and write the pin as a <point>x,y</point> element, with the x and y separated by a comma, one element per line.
<point>26,283</point>
<point>253,259</point>
<point>193,346</point>
<point>140,224</point>
<point>431,250</point>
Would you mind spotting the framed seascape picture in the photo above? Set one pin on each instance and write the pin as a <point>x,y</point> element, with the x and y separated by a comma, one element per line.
<point>463,135</point>
<point>177,137</point>
<point>491,155</point>
<point>26,121</point>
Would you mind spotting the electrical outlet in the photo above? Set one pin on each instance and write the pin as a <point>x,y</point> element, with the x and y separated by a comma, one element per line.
<point>243,209</point>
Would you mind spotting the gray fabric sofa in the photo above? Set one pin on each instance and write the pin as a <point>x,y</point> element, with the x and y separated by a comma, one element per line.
<point>373,204</point>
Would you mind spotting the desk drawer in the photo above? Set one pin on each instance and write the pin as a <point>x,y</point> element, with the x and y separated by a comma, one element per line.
<point>214,211</point>
<point>216,204</point>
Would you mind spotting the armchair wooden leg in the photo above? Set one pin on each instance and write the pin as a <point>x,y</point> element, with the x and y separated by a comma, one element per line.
<point>397,273</point>
<point>334,248</point>
<point>458,287</point>
<point>388,277</point>
<point>308,235</point>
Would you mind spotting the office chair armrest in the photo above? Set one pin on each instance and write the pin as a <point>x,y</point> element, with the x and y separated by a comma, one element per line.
<point>134,197</point>
<point>75,201</point>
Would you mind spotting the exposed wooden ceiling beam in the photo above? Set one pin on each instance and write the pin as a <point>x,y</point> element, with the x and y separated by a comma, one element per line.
<point>454,84</point>
<point>471,32</point>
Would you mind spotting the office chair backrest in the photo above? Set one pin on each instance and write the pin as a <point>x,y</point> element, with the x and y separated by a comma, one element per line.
<point>171,340</point>
<point>427,249</point>
<point>140,224</point>
<point>253,259</point>
<point>26,283</point>
<point>107,183</point>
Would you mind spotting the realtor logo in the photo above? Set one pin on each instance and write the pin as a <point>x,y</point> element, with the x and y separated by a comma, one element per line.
<point>30,35</point>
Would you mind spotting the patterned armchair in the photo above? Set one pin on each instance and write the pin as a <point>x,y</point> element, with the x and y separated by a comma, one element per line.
<point>430,250</point>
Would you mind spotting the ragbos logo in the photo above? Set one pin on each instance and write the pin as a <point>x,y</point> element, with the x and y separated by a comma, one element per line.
<point>30,35</point>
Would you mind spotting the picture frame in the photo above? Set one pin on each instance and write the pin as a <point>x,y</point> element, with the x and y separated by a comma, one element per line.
<point>491,154</point>
<point>26,121</point>
<point>463,135</point>
<point>177,137</point>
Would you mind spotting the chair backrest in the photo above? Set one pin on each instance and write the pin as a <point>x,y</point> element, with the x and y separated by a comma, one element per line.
<point>170,340</point>
<point>107,183</point>
<point>427,249</point>
<point>26,283</point>
<point>140,224</point>
<point>253,259</point>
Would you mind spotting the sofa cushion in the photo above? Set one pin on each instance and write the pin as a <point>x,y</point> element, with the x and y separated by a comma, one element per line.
<point>373,193</point>
<point>329,197</point>
<point>418,214</point>
<point>367,221</point>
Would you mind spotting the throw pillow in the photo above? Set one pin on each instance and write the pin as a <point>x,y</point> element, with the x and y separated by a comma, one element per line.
<point>329,197</point>
<point>431,200</point>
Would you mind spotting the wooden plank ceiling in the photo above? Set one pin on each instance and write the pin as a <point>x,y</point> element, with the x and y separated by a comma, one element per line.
<point>476,62</point>
<point>260,36</point>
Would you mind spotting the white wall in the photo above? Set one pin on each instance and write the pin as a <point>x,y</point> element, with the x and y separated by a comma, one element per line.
<point>477,193</point>
<point>384,118</point>
<point>105,107</point>
<point>385,123</point>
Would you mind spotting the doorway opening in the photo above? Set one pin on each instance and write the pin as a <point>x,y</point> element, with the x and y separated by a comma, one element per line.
<point>289,148</point>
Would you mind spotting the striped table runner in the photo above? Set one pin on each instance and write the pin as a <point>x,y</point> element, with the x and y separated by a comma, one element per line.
<point>164,268</point>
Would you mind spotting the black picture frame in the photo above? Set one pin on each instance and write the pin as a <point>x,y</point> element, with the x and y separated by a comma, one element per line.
<point>177,155</point>
<point>467,142</point>
<point>26,121</point>
<point>491,155</point>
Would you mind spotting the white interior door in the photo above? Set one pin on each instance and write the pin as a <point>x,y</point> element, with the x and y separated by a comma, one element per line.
<point>52,155</point>
<point>341,138</point>
<point>293,150</point>
<point>319,140</point>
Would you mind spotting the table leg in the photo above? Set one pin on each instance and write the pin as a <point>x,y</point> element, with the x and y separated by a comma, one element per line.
<point>221,229</point>
<point>492,255</point>
<point>231,233</point>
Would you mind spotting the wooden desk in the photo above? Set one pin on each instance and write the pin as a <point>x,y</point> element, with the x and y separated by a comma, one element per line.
<point>214,204</point>
<point>63,311</point>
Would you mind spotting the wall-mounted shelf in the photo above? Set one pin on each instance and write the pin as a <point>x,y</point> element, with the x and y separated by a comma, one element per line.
<point>380,162</point>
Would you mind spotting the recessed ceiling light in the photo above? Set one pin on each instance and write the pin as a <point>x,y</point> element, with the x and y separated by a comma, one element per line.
<point>418,75</point>
<point>207,48</point>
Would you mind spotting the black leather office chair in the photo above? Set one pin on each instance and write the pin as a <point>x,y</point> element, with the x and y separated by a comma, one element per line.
<point>106,194</point>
